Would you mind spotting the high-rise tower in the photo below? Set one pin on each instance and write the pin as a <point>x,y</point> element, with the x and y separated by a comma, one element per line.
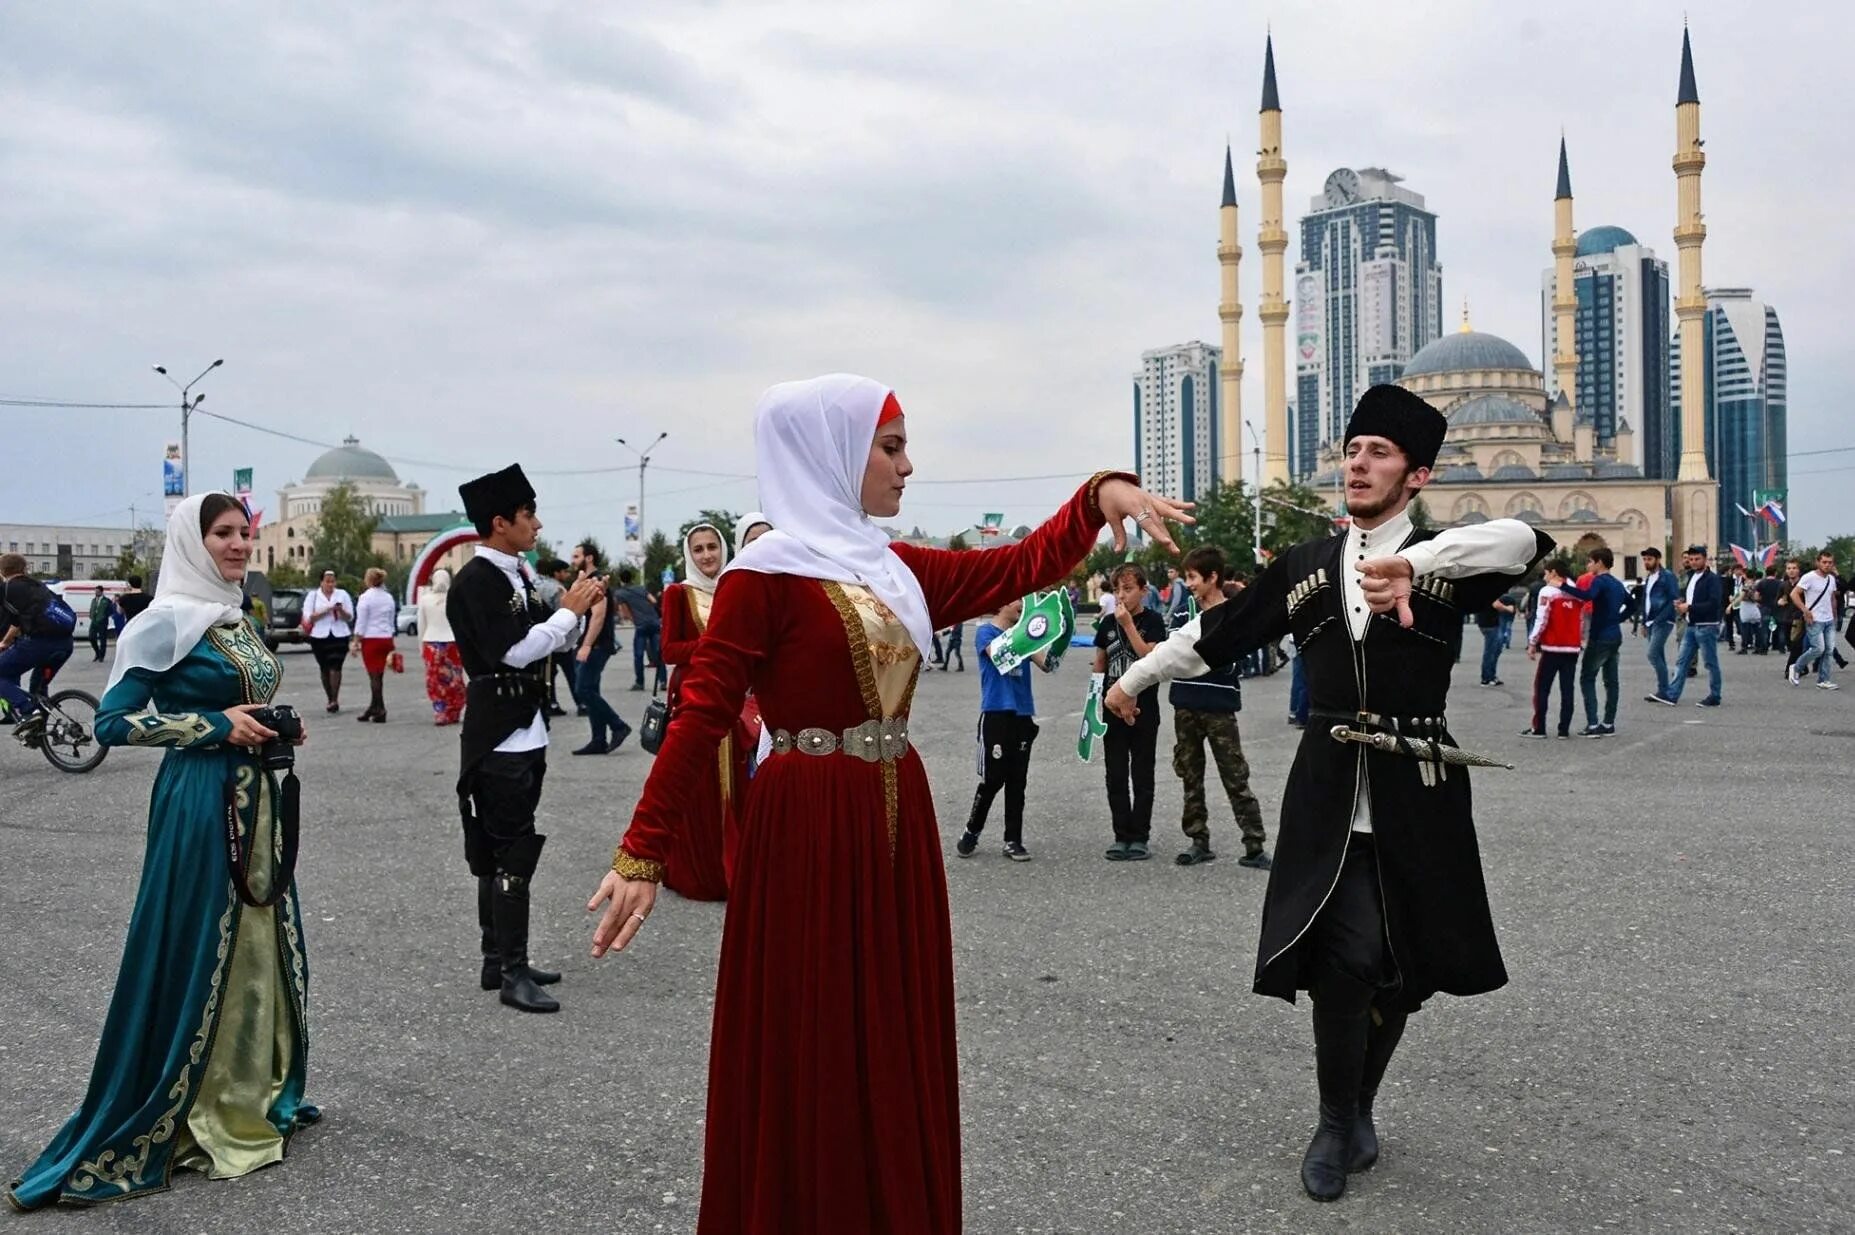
<point>1230,312</point>
<point>1696,498</point>
<point>1272,239</point>
<point>1565,292</point>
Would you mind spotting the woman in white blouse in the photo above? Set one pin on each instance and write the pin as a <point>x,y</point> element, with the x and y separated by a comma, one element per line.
<point>328,619</point>
<point>374,618</point>
<point>444,668</point>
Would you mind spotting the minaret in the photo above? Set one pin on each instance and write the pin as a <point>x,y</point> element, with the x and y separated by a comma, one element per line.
<point>1230,312</point>
<point>1564,287</point>
<point>1272,239</point>
<point>1696,505</point>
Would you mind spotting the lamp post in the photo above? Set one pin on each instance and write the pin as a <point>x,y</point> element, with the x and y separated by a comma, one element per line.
<point>1256,518</point>
<point>188,402</point>
<point>644,461</point>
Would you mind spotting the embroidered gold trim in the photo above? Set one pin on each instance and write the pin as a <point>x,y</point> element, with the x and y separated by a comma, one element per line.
<point>865,666</point>
<point>724,767</point>
<point>887,654</point>
<point>152,728</point>
<point>259,671</point>
<point>695,610</point>
<point>1095,483</point>
<point>629,867</point>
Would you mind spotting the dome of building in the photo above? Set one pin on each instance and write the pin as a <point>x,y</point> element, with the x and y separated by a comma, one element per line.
<point>1597,240</point>
<point>1584,516</point>
<point>1491,410</point>
<point>1457,474</point>
<point>350,461</point>
<point>1467,351</point>
<point>1513,471</point>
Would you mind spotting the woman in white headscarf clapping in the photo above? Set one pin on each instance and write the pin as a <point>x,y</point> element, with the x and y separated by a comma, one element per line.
<point>833,1090</point>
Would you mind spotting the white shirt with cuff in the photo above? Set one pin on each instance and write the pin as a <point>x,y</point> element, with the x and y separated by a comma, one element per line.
<point>375,614</point>
<point>543,639</point>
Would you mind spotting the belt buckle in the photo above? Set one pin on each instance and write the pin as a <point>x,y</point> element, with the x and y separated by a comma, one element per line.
<point>867,741</point>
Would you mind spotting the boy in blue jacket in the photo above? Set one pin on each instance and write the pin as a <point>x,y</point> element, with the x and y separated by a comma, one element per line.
<point>1610,604</point>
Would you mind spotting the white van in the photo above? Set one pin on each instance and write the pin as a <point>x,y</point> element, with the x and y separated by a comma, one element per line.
<point>78,593</point>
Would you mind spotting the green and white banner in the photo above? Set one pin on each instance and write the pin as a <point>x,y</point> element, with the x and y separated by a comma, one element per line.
<point>1046,625</point>
<point>1094,719</point>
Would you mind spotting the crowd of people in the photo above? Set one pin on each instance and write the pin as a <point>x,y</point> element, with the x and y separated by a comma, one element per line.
<point>786,783</point>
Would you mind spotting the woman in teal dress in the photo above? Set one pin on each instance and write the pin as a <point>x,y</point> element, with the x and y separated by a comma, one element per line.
<point>203,1053</point>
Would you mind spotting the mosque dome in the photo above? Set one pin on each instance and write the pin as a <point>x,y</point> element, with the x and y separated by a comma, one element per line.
<point>350,461</point>
<point>1467,351</point>
<point>1491,410</point>
<point>1596,240</point>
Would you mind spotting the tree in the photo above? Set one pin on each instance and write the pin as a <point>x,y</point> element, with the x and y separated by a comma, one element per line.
<point>545,550</point>
<point>1225,518</point>
<point>660,554</point>
<point>958,541</point>
<point>595,550</point>
<point>342,539</point>
<point>287,574</point>
<point>1420,515</point>
<point>1293,513</point>
<point>723,521</point>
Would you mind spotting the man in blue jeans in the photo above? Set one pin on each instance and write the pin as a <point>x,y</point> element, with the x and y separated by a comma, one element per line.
<point>1610,604</point>
<point>35,641</point>
<point>646,627</point>
<point>1815,596</point>
<point>597,644</point>
<point>1655,601</point>
<point>1494,622</point>
<point>1705,609</point>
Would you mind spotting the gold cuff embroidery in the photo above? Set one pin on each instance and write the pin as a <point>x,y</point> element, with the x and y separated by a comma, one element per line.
<point>1095,483</point>
<point>629,867</point>
<point>151,728</point>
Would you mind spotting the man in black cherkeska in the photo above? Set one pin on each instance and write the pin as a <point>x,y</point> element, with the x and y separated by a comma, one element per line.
<point>505,636</point>
<point>1376,900</point>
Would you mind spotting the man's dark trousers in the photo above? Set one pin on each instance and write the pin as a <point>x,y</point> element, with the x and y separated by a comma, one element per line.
<point>586,693</point>
<point>644,650</point>
<point>1600,656</point>
<point>1560,665</point>
<point>1131,750</point>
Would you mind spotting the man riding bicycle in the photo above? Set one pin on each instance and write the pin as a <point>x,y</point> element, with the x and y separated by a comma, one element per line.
<point>38,640</point>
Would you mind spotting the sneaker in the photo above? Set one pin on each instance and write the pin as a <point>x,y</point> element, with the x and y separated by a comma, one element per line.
<point>1795,680</point>
<point>31,729</point>
<point>1532,733</point>
<point>968,842</point>
<point>1591,731</point>
<point>1827,686</point>
<point>1609,729</point>
<point>1196,855</point>
<point>1137,851</point>
<point>1564,734</point>
<point>1664,700</point>
<point>1016,851</point>
<point>1256,861</point>
<point>1708,703</point>
<point>1117,852</point>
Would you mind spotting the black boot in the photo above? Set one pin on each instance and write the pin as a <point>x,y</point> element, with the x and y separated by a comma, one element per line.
<point>492,959</point>
<point>509,907</point>
<point>1339,1063</point>
<point>1380,1041</point>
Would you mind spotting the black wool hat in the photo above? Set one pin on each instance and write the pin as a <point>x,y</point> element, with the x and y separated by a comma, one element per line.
<point>1397,415</point>
<point>499,493</point>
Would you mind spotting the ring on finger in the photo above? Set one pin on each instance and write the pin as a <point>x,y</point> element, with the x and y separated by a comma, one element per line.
<point>638,916</point>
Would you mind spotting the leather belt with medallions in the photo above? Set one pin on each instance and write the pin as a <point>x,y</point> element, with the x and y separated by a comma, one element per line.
<point>873,741</point>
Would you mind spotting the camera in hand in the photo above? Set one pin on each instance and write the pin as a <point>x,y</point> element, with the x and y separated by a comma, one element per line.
<point>279,754</point>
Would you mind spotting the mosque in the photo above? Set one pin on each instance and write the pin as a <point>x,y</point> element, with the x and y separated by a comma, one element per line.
<point>1511,450</point>
<point>404,526</point>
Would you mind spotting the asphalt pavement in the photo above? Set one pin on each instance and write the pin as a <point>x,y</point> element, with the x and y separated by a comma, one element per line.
<point>1674,1052</point>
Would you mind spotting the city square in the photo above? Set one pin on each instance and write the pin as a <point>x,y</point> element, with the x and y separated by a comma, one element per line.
<point>1670,1054</point>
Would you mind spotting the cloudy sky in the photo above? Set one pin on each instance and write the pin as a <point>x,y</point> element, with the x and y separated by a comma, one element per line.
<point>486,230</point>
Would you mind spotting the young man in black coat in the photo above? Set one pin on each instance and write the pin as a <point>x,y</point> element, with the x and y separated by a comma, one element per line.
<point>1376,900</point>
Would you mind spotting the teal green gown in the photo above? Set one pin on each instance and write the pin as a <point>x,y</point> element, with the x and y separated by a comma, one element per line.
<point>203,1054</point>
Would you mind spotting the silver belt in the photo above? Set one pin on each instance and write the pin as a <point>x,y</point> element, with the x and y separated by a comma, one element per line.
<point>873,741</point>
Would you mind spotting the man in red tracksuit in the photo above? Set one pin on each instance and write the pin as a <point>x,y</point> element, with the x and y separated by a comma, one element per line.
<point>1555,641</point>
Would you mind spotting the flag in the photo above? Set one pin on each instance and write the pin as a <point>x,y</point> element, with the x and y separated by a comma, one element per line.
<point>1743,555</point>
<point>1768,556</point>
<point>1772,512</point>
<point>1046,625</point>
<point>1264,557</point>
<point>1093,724</point>
<point>1742,510</point>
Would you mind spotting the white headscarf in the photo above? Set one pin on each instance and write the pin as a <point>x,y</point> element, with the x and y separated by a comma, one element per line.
<point>441,580</point>
<point>745,524</point>
<point>812,441</point>
<point>692,575</point>
<point>190,596</point>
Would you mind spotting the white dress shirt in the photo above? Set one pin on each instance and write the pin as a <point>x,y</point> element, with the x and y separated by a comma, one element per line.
<point>319,611</point>
<point>374,616</point>
<point>542,639</point>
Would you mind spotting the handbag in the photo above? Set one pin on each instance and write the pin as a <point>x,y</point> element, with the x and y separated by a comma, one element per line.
<point>396,661</point>
<point>655,726</point>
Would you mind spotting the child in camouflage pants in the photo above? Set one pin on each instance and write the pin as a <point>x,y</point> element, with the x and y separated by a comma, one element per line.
<point>1204,712</point>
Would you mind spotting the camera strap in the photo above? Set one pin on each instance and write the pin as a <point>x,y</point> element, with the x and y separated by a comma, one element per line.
<point>238,858</point>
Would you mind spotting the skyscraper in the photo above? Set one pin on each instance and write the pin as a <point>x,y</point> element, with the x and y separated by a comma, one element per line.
<point>1368,294</point>
<point>1176,429</point>
<point>1622,326</point>
<point>1744,400</point>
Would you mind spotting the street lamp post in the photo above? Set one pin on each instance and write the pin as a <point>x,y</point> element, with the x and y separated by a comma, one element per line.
<point>1256,518</point>
<point>188,402</point>
<point>644,461</point>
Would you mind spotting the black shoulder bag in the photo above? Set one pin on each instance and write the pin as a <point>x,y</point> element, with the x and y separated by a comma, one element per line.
<point>655,726</point>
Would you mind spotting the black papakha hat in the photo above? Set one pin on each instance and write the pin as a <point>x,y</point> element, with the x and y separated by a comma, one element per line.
<point>499,493</point>
<point>1397,415</point>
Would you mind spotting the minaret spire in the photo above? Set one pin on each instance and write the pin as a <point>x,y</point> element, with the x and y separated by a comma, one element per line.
<point>1272,240</point>
<point>1565,295</point>
<point>1228,458</point>
<point>1696,504</point>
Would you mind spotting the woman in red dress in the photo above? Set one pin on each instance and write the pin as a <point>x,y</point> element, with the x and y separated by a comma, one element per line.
<point>694,866</point>
<point>752,742</point>
<point>833,1102</point>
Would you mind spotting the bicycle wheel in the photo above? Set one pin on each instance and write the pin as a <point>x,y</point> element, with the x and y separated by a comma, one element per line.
<point>70,738</point>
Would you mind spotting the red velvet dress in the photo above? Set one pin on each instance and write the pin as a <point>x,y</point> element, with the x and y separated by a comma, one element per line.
<point>705,804</point>
<point>833,1103</point>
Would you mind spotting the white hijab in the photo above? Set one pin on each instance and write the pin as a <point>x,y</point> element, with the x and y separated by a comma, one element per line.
<point>692,575</point>
<point>190,597</point>
<point>745,524</point>
<point>812,441</point>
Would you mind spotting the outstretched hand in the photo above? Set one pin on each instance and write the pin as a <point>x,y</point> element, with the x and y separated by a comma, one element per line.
<point>1386,582</point>
<point>1122,499</point>
<point>628,902</point>
<point>1121,703</point>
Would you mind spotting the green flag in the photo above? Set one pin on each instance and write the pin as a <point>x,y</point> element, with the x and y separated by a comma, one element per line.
<point>1093,726</point>
<point>1046,624</point>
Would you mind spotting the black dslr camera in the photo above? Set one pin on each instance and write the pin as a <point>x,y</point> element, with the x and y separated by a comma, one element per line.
<point>279,753</point>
